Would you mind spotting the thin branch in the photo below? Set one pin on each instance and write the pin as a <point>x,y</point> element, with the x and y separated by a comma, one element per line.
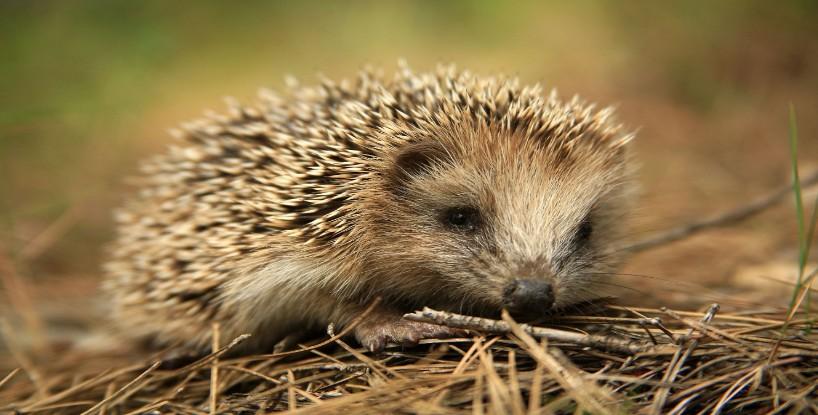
<point>731,217</point>
<point>209,358</point>
<point>800,294</point>
<point>123,389</point>
<point>587,395</point>
<point>18,354</point>
<point>51,234</point>
<point>214,372</point>
<point>8,377</point>
<point>677,362</point>
<point>19,297</point>
<point>486,325</point>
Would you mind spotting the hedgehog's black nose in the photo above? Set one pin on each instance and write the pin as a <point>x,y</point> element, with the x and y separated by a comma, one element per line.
<point>528,296</point>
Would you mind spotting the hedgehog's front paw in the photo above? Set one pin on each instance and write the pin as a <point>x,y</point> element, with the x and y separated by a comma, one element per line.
<point>375,332</point>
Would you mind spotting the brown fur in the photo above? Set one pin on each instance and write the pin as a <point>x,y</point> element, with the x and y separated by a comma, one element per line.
<point>297,211</point>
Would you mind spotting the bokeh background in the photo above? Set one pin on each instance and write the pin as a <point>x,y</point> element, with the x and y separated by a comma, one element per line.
<point>89,88</point>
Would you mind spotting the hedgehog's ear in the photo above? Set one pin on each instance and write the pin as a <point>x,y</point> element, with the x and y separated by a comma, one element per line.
<point>415,159</point>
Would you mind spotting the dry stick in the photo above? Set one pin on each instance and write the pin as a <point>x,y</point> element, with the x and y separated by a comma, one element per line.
<point>291,399</point>
<point>214,371</point>
<point>309,396</point>
<point>272,391</point>
<point>8,377</point>
<point>467,360</point>
<point>341,365</point>
<point>109,390</point>
<point>514,384</point>
<point>676,363</point>
<point>756,329</point>
<point>653,321</point>
<point>207,359</point>
<point>736,388</point>
<point>105,376</point>
<point>51,234</point>
<point>477,396</point>
<point>339,382</point>
<point>727,218</point>
<point>377,368</point>
<point>718,379</point>
<point>54,408</point>
<point>716,334</point>
<point>123,389</point>
<point>486,325</point>
<point>535,394</point>
<point>19,296</point>
<point>421,391</point>
<point>387,398</point>
<point>721,317</point>
<point>21,358</point>
<point>586,394</point>
<point>681,406</point>
<point>792,401</point>
<point>252,372</point>
<point>148,408</point>
<point>498,394</point>
<point>802,293</point>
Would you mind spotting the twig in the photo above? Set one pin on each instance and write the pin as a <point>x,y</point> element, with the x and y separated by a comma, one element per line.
<point>465,361</point>
<point>273,391</point>
<point>644,321</point>
<point>586,394</point>
<point>677,362</point>
<point>375,366</point>
<point>123,389</point>
<point>22,359</point>
<point>209,358</point>
<point>108,392</point>
<point>800,295</point>
<point>19,296</point>
<point>718,379</point>
<point>733,216</point>
<point>291,399</point>
<point>148,408</point>
<point>214,371</point>
<point>8,377</point>
<point>486,325</point>
<point>714,333</point>
<point>51,234</point>
<point>100,379</point>
<point>737,387</point>
<point>535,396</point>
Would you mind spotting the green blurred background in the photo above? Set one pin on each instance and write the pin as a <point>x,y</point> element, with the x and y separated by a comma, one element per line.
<point>88,88</point>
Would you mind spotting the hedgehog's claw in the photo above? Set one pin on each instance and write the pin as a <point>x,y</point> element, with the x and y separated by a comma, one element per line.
<point>375,334</point>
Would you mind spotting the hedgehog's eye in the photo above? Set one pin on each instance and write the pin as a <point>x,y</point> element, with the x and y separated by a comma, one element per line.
<point>461,218</point>
<point>584,232</point>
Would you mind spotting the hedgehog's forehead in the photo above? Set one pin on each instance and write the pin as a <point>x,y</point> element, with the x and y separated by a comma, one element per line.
<point>525,166</point>
<point>521,174</point>
<point>496,149</point>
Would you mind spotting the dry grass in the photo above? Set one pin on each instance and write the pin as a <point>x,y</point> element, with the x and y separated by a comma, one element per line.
<point>612,360</point>
<point>697,362</point>
<point>708,83</point>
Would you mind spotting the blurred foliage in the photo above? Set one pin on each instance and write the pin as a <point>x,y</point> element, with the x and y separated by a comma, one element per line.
<point>86,88</point>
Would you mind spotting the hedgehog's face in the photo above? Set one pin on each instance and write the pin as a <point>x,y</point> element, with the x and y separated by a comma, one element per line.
<point>502,224</point>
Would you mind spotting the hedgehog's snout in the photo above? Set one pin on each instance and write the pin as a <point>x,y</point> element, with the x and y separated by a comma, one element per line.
<point>528,296</point>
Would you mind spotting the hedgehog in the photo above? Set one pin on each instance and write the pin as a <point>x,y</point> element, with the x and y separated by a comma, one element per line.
<point>444,189</point>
